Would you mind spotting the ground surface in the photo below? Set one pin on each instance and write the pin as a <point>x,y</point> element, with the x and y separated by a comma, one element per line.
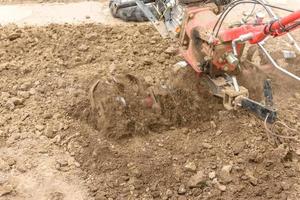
<point>51,149</point>
<point>43,136</point>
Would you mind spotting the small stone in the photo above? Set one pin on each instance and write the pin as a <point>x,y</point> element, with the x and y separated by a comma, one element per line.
<point>16,101</point>
<point>212,175</point>
<point>190,166</point>
<point>25,86</point>
<point>62,163</point>
<point>56,196</point>
<point>83,48</point>
<point>238,148</point>
<point>225,173</point>
<point>149,80</point>
<point>185,131</point>
<point>5,95</point>
<point>21,167</point>
<point>222,187</point>
<point>297,95</point>
<point>297,152</point>
<point>251,177</point>
<point>169,193</point>
<point>49,132</point>
<point>10,105</point>
<point>10,161</point>
<point>39,127</point>
<point>213,124</point>
<point>14,36</point>
<point>171,50</point>
<point>5,189</point>
<point>32,91</point>
<point>24,94</point>
<point>198,180</point>
<point>181,189</point>
<point>91,36</point>
<point>219,132</point>
<point>136,173</point>
<point>207,145</point>
<point>77,164</point>
<point>4,165</point>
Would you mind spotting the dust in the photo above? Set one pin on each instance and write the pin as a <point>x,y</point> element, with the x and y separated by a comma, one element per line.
<point>125,105</point>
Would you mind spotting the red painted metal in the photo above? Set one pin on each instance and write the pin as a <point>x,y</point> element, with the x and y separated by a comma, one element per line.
<point>203,19</point>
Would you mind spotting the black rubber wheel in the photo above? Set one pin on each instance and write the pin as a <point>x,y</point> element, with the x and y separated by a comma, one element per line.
<point>133,13</point>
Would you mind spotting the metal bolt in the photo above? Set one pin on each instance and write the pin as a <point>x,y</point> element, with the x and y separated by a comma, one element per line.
<point>191,16</point>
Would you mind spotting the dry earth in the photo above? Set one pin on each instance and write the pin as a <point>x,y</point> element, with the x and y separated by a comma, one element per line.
<point>50,150</point>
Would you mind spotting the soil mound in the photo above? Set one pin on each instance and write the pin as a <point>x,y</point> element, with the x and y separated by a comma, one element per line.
<point>125,105</point>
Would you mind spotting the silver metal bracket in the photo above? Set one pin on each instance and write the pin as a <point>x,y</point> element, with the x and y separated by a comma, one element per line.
<point>159,25</point>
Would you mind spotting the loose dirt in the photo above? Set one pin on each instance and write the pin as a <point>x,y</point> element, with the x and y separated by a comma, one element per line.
<point>54,144</point>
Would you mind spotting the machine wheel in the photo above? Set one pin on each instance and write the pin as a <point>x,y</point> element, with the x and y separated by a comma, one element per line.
<point>132,13</point>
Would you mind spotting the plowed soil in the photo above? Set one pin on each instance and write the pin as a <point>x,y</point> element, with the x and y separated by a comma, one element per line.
<point>191,149</point>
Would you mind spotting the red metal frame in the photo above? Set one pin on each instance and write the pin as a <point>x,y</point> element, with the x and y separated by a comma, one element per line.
<point>203,19</point>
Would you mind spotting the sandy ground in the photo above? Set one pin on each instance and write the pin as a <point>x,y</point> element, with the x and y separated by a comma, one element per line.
<point>58,13</point>
<point>51,148</point>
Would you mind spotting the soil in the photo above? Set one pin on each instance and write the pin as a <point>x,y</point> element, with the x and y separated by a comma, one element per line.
<point>55,145</point>
<point>41,1</point>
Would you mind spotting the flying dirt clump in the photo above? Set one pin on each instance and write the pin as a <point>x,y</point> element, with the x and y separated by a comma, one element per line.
<point>125,105</point>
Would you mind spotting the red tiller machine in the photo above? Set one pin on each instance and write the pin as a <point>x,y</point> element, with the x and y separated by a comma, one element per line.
<point>211,47</point>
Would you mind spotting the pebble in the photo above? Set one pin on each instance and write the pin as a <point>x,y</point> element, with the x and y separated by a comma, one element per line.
<point>9,105</point>
<point>83,48</point>
<point>136,173</point>
<point>219,132</point>
<point>225,173</point>
<point>91,36</point>
<point>170,50</point>
<point>252,179</point>
<point>25,86</point>
<point>10,161</point>
<point>190,166</point>
<point>238,148</point>
<point>212,175</point>
<point>297,152</point>
<point>32,91</point>
<point>181,189</point>
<point>49,132</point>
<point>222,187</point>
<point>5,189</point>
<point>39,127</point>
<point>4,166</point>
<point>16,101</point>
<point>24,94</point>
<point>213,124</point>
<point>197,180</point>
<point>149,80</point>
<point>5,95</point>
<point>62,163</point>
<point>14,36</point>
<point>169,193</point>
<point>207,145</point>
